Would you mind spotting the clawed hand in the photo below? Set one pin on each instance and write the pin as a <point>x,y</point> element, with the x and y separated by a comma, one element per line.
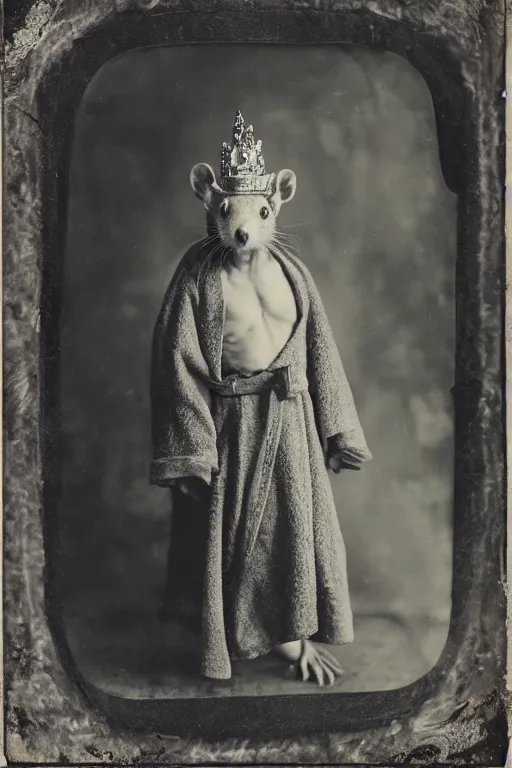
<point>336,464</point>
<point>315,660</point>
<point>310,661</point>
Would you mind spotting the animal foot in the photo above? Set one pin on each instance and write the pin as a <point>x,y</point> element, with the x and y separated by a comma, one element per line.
<point>318,664</point>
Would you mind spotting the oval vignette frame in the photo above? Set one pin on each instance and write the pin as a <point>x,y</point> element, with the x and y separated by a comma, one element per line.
<point>457,711</point>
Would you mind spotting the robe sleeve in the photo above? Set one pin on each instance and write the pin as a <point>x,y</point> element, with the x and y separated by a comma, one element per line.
<point>335,411</point>
<point>184,442</point>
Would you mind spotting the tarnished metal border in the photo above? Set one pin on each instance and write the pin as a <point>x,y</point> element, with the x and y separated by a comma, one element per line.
<point>456,713</point>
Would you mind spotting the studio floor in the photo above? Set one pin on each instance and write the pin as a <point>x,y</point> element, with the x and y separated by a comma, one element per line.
<point>128,652</point>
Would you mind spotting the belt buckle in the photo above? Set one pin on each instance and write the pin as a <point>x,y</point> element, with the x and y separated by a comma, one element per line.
<point>284,384</point>
<point>233,386</point>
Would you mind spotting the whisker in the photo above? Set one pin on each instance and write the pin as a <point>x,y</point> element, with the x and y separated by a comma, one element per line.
<point>212,227</point>
<point>208,241</point>
<point>292,226</point>
<point>209,258</point>
<point>284,244</point>
<point>275,249</point>
<point>211,253</point>
<point>282,247</point>
<point>224,255</point>
<point>285,240</point>
<point>215,250</point>
<point>288,235</point>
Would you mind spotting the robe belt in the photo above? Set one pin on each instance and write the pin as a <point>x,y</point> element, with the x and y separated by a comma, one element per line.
<point>281,384</point>
<point>286,382</point>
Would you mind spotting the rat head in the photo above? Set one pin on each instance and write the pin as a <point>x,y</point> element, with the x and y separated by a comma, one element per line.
<point>243,222</point>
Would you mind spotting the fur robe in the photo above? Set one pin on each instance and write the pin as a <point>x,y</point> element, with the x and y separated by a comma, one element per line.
<point>274,558</point>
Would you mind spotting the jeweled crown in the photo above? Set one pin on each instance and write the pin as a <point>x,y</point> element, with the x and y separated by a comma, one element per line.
<point>242,167</point>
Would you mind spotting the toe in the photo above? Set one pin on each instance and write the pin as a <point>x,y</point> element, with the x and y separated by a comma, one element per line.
<point>317,671</point>
<point>333,663</point>
<point>329,674</point>
<point>304,668</point>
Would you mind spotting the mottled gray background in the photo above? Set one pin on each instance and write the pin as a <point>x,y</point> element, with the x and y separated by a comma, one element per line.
<point>375,224</point>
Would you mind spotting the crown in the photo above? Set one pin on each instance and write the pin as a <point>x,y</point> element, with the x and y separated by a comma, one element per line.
<point>242,167</point>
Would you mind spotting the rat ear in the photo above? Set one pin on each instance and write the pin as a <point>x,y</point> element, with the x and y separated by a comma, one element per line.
<point>284,187</point>
<point>204,183</point>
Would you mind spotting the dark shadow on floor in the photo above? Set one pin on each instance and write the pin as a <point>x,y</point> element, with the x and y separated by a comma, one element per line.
<point>128,652</point>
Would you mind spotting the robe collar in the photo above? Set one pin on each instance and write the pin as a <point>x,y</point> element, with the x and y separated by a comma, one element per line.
<point>212,309</point>
<point>211,318</point>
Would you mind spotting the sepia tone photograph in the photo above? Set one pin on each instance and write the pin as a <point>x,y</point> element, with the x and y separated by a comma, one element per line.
<point>257,359</point>
<point>254,503</point>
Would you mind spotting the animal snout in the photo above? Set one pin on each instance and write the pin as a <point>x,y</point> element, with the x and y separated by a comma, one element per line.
<point>241,236</point>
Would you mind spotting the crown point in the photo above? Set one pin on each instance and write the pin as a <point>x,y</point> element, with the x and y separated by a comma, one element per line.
<point>242,161</point>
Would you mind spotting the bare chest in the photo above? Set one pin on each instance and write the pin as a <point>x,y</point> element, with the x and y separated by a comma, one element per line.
<point>265,293</point>
<point>260,316</point>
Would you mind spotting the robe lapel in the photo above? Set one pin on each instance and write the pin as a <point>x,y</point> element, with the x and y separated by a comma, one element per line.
<point>211,310</point>
<point>297,283</point>
<point>211,320</point>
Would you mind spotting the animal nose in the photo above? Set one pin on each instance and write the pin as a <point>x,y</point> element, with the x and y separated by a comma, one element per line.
<point>241,236</point>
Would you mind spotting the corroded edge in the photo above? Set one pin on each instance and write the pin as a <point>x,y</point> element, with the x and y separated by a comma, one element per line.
<point>508,342</point>
<point>54,706</point>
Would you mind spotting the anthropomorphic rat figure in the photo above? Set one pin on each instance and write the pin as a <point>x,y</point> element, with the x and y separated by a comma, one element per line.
<point>250,409</point>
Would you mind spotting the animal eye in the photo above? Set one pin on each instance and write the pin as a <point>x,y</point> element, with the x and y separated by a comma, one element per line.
<point>264,212</point>
<point>224,208</point>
